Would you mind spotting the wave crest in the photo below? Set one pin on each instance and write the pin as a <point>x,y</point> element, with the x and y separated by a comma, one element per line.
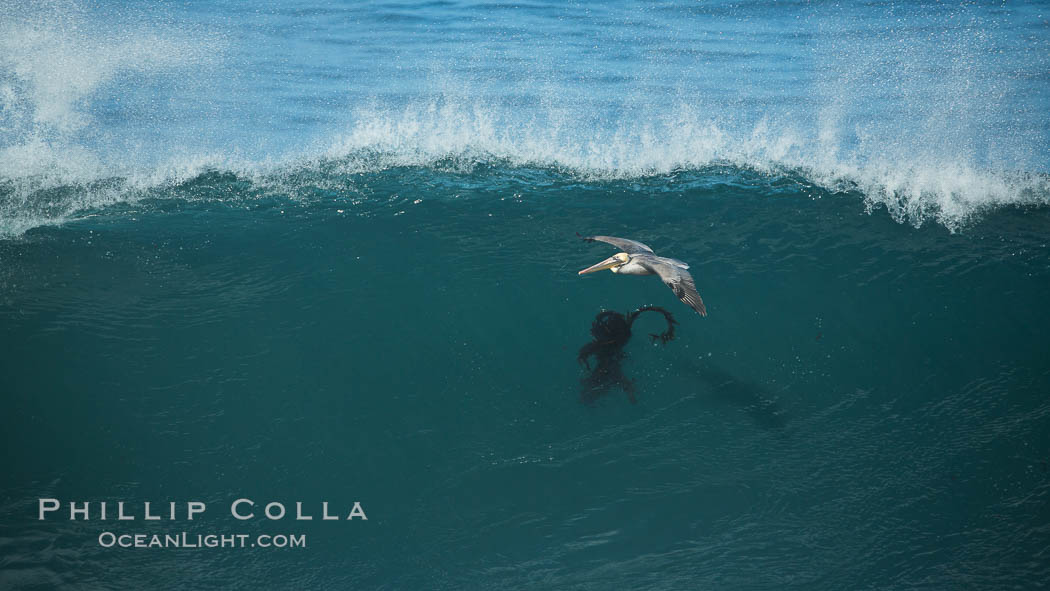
<point>953,195</point>
<point>913,188</point>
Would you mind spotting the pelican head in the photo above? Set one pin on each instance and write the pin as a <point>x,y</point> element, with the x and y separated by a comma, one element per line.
<point>614,262</point>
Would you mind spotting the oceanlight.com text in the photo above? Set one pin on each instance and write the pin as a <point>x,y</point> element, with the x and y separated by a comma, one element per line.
<point>186,540</point>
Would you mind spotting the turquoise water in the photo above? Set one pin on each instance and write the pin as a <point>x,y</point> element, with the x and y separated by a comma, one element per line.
<point>300,252</point>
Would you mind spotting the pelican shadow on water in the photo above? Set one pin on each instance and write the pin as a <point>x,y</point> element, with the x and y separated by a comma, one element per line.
<point>752,398</point>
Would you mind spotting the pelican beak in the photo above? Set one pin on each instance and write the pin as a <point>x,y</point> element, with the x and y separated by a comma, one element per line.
<point>608,263</point>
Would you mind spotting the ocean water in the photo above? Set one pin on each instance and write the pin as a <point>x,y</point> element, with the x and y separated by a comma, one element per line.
<point>314,251</point>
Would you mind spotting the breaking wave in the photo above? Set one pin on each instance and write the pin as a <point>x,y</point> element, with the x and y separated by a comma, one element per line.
<point>99,110</point>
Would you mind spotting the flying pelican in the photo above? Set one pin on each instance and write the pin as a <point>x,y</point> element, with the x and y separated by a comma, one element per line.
<point>639,259</point>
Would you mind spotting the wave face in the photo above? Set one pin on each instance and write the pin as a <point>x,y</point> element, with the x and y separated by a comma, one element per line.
<point>319,251</point>
<point>407,335</point>
<point>931,112</point>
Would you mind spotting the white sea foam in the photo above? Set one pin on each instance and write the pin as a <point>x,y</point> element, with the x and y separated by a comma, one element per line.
<point>55,60</point>
<point>951,192</point>
<point>938,160</point>
<point>912,188</point>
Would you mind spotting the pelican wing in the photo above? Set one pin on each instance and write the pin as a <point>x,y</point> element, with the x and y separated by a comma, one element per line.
<point>676,277</point>
<point>625,244</point>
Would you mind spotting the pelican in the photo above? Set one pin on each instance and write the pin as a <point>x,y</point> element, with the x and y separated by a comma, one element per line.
<point>639,259</point>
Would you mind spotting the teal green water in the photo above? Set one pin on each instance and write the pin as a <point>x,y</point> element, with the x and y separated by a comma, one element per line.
<point>303,251</point>
<point>866,401</point>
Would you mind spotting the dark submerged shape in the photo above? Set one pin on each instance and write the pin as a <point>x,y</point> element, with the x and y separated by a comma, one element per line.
<point>611,332</point>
